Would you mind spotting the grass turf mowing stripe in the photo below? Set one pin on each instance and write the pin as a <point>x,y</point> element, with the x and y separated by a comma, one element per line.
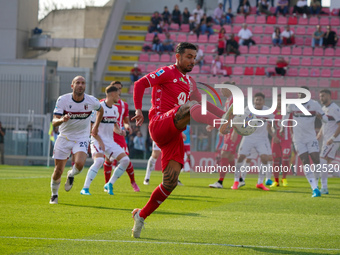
<point>155,242</point>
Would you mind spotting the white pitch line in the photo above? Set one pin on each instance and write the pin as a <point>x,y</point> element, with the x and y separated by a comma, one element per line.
<point>28,177</point>
<point>180,243</point>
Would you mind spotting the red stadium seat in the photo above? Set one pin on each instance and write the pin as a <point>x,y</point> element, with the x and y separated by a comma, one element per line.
<point>326,73</point>
<point>241,60</point>
<point>203,39</point>
<point>313,83</point>
<point>308,41</point>
<point>271,20</point>
<point>337,62</point>
<point>261,20</point>
<point>303,22</point>
<point>238,70</point>
<point>292,20</point>
<point>294,61</point>
<point>316,62</point>
<point>266,40</point>
<point>303,72</point>
<point>300,31</point>
<point>143,57</point>
<point>257,81</point>
<point>227,29</point>
<point>185,28</point>
<point>246,81</point>
<point>174,26</point>
<point>213,39</point>
<point>268,81</point>
<point>292,72</point>
<point>335,22</point>
<point>195,70</point>
<point>173,58</point>
<point>299,41</point>
<point>149,37</point>
<point>214,80</point>
<point>211,49</point>
<point>250,19</point>
<point>249,70</point>
<point>290,82</point>
<point>275,51</point>
<point>324,21</point>
<point>203,78</point>
<point>236,29</point>
<point>161,36</point>
<point>335,84</point>
<point>192,39</point>
<point>258,30</point>
<point>142,67</point>
<point>229,60</point>
<point>269,30</point>
<point>239,19</point>
<point>335,12</point>
<point>131,89</point>
<point>254,49</point>
<point>329,52</point>
<point>151,68</point>
<point>325,10</point>
<point>307,51</point>
<point>301,82</point>
<point>206,69</point>
<point>282,20</point>
<point>253,10</point>
<point>313,21</point>
<point>310,30</point>
<point>181,38</point>
<point>154,58</point>
<point>243,49</point>
<point>251,60</point>
<point>336,73</point>
<point>337,52</point>
<point>318,52</point>
<point>306,61</point>
<point>264,50</point>
<point>324,83</point>
<point>326,62</point>
<point>279,82</point>
<point>257,39</point>
<point>286,51</point>
<point>262,60</point>
<point>272,60</point>
<point>314,72</point>
<point>260,71</point>
<point>165,58</point>
<point>334,95</point>
<point>208,59</point>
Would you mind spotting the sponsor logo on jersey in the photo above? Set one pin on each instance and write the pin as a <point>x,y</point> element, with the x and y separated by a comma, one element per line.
<point>153,76</point>
<point>160,72</point>
<point>78,115</point>
<point>182,80</point>
<point>109,120</point>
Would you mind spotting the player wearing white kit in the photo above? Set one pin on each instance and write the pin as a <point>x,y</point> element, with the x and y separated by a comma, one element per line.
<point>304,137</point>
<point>72,115</point>
<point>258,140</point>
<point>156,151</point>
<point>103,143</point>
<point>330,133</point>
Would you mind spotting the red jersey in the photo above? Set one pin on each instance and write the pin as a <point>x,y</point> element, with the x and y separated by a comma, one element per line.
<point>287,132</point>
<point>123,110</point>
<point>170,88</point>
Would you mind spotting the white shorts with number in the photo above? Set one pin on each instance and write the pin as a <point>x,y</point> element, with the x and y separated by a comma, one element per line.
<point>155,147</point>
<point>329,150</point>
<point>111,150</point>
<point>303,147</point>
<point>248,145</point>
<point>63,147</point>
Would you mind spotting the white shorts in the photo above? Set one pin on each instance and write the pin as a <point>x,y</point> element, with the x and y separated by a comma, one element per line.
<point>253,154</point>
<point>155,147</point>
<point>111,150</point>
<point>63,147</point>
<point>310,147</point>
<point>261,147</point>
<point>329,150</point>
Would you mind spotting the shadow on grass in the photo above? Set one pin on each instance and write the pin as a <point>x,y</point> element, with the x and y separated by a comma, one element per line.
<point>279,251</point>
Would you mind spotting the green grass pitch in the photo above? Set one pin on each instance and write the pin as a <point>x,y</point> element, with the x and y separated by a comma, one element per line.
<point>193,220</point>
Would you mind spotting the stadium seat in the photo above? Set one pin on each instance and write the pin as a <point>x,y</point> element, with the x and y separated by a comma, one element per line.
<point>216,28</point>
<point>181,38</point>
<point>334,95</point>
<point>257,39</point>
<point>195,70</point>
<point>131,89</point>
<point>303,72</point>
<point>203,39</point>
<point>174,26</point>
<point>326,62</point>
<point>310,30</point>
<point>258,30</point>
<point>335,22</point>
<point>236,79</point>
<point>299,41</point>
<point>143,57</point>
<point>275,51</point>
<point>337,52</point>
<point>185,28</point>
<point>335,12</point>
<point>241,60</point>
<point>165,58</point>
<point>213,39</point>
<point>337,62</point>
<point>266,40</point>
<point>261,20</point>
<point>286,51</point>
<point>292,72</point>
<point>325,11</point>
<point>173,36</point>
<point>246,81</point>
<point>253,10</point>
<point>303,22</point>
<point>335,84</point>
<point>272,60</point>
<point>192,39</point>
<point>324,21</point>
<point>227,29</point>
<point>318,52</point>
<point>236,29</point>
<point>173,58</point>
<point>206,69</point>
<point>307,51</point>
<point>249,70</point>
<point>142,67</point>
<point>279,82</point>
<point>250,19</point>
<point>282,20</point>
<point>149,37</point>
<point>208,59</point>
<point>154,58</point>
<point>300,31</point>
<point>257,81</point>
<point>316,62</point>
<point>238,70</point>
<point>290,82</point>
<point>203,78</point>
<point>301,82</point>
<point>324,83</point>
<point>268,81</point>
<point>294,61</point>
<point>243,49</point>
<point>151,68</point>
<point>336,73</point>
<point>229,60</point>
<point>329,52</point>
<point>251,60</point>
<point>161,36</point>
<point>254,49</point>
<point>214,80</point>
<point>262,60</point>
<point>267,92</point>
<point>308,41</point>
<point>239,19</point>
<point>326,73</point>
<point>313,83</point>
<point>269,30</point>
<point>271,20</point>
<point>292,20</point>
<point>260,71</point>
<point>264,50</point>
<point>210,49</point>
<point>313,21</point>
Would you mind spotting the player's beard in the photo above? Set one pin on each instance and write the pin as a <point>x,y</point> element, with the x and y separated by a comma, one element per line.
<point>79,92</point>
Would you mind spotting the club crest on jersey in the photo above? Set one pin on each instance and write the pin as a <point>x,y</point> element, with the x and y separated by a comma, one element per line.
<point>182,80</point>
<point>86,106</point>
<point>160,72</point>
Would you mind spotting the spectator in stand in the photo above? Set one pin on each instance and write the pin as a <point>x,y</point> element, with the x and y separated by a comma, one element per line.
<point>301,7</point>
<point>229,16</point>
<point>276,37</point>
<point>166,16</point>
<point>224,4</point>
<point>186,16</point>
<point>281,66</point>
<point>288,36</point>
<point>245,36</point>
<point>218,15</point>
<point>176,16</point>
<point>244,8</point>
<point>263,7</point>
<point>135,73</point>
<point>206,25</point>
<point>199,11</point>
<point>199,57</point>
<point>194,24</point>
<point>282,7</point>
<point>315,7</point>
<point>156,23</point>
<point>157,44</point>
<point>317,37</point>
<point>232,46</point>
<point>217,67</point>
<point>139,145</point>
<point>222,38</point>
<point>330,38</point>
<point>168,43</point>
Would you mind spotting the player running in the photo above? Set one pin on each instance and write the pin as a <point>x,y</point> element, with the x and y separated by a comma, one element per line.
<point>169,115</point>
<point>72,113</point>
<point>124,123</point>
<point>330,133</point>
<point>104,144</point>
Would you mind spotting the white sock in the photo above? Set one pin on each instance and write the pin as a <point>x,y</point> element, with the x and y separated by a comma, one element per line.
<point>244,172</point>
<point>310,176</point>
<point>55,186</point>
<point>150,167</point>
<point>75,171</point>
<point>237,173</point>
<point>120,169</point>
<point>324,173</point>
<point>261,175</point>
<point>91,174</point>
<point>269,170</point>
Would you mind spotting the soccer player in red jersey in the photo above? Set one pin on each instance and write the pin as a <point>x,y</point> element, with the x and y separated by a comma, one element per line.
<point>169,115</point>
<point>123,121</point>
<point>281,147</point>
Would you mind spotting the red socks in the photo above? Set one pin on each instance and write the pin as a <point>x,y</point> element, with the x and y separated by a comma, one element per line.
<point>107,171</point>
<point>224,162</point>
<point>157,197</point>
<point>131,173</point>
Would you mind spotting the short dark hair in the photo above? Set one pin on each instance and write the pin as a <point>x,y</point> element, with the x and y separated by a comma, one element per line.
<point>305,87</point>
<point>181,47</point>
<point>116,82</point>
<point>327,91</point>
<point>110,88</point>
<point>259,94</point>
